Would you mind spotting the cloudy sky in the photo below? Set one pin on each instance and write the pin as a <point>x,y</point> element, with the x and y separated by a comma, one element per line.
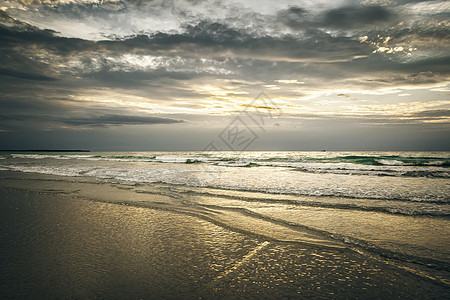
<point>181,75</point>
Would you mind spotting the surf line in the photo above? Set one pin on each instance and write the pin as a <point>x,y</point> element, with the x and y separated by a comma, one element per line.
<point>245,259</point>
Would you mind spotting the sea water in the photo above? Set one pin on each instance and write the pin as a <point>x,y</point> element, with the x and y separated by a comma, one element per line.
<point>419,177</point>
<point>394,204</point>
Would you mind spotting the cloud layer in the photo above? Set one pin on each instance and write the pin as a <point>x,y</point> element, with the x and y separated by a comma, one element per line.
<point>87,63</point>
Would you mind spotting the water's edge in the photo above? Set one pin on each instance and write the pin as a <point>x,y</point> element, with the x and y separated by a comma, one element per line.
<point>200,203</point>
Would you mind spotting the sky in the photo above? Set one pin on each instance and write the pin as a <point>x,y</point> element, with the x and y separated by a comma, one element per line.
<point>225,75</point>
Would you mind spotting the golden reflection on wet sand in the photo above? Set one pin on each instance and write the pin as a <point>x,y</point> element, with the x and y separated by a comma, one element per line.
<point>87,240</point>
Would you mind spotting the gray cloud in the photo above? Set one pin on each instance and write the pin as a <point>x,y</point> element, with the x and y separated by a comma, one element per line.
<point>23,37</point>
<point>25,75</point>
<point>114,120</point>
<point>218,40</point>
<point>207,39</point>
<point>212,57</point>
<point>435,113</point>
<point>339,18</point>
<point>52,121</point>
<point>351,17</point>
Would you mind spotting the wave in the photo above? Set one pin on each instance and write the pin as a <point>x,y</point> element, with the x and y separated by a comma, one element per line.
<point>433,173</point>
<point>330,194</point>
<point>388,160</point>
<point>434,209</point>
<point>248,180</point>
<point>318,163</point>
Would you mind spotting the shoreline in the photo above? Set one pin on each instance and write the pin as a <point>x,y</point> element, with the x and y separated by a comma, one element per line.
<point>275,216</point>
<point>260,247</point>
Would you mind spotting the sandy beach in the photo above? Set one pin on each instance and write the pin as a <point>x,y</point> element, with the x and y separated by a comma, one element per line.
<point>73,238</point>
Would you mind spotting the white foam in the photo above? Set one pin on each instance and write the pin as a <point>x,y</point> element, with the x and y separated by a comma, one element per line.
<point>393,162</point>
<point>234,164</point>
<point>55,156</point>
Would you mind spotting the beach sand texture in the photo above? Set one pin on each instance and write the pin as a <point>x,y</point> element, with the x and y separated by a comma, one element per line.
<point>77,238</point>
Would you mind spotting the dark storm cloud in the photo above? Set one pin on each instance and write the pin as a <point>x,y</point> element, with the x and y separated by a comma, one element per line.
<point>204,39</point>
<point>133,79</point>
<point>43,107</point>
<point>22,37</point>
<point>295,17</point>
<point>213,39</point>
<point>49,80</point>
<point>246,55</point>
<point>56,3</point>
<point>426,70</point>
<point>25,75</point>
<point>342,18</point>
<point>111,120</point>
<point>208,38</point>
<point>217,40</point>
<point>44,121</point>
<point>349,17</point>
<point>142,3</point>
<point>434,113</point>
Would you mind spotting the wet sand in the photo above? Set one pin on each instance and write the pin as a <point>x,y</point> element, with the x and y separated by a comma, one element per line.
<point>72,239</point>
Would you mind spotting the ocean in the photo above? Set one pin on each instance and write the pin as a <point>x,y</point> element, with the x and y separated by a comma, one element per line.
<point>393,206</point>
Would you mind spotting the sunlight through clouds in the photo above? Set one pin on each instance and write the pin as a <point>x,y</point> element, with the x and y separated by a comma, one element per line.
<point>358,61</point>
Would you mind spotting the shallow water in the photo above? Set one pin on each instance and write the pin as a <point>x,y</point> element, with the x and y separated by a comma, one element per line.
<point>56,246</point>
<point>393,205</point>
